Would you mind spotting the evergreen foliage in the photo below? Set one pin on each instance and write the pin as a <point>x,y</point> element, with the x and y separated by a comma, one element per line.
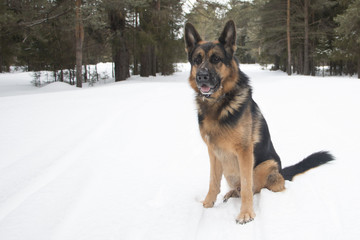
<point>144,36</point>
<point>347,40</point>
<point>41,35</point>
<point>321,32</point>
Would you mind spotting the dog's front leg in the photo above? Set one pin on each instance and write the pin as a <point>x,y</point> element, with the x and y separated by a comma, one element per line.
<point>246,164</point>
<point>215,180</point>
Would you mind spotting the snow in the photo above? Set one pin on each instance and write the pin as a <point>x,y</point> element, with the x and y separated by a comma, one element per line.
<point>126,161</point>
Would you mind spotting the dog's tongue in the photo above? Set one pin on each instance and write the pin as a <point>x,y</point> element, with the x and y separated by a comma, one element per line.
<point>205,89</point>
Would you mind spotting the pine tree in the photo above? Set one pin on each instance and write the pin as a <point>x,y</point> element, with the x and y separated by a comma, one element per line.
<point>168,21</point>
<point>79,39</point>
<point>288,36</point>
<point>208,18</point>
<point>272,34</point>
<point>311,27</point>
<point>349,34</point>
<point>9,35</point>
<point>245,17</point>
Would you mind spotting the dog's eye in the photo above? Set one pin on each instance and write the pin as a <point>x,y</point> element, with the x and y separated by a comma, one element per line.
<point>215,59</point>
<point>198,59</point>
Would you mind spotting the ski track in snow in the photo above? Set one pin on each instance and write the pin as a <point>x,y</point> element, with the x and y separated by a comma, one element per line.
<point>126,161</point>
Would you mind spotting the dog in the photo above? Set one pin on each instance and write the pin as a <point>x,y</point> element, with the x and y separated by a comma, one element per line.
<point>232,126</point>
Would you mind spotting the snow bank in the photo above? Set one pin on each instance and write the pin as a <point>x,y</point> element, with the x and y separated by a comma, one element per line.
<point>15,83</point>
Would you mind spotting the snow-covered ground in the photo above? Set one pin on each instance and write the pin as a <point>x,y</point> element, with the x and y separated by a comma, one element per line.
<point>126,161</point>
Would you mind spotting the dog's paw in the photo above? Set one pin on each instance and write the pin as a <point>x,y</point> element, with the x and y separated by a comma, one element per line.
<point>245,217</point>
<point>208,204</point>
<point>231,194</point>
<point>209,201</point>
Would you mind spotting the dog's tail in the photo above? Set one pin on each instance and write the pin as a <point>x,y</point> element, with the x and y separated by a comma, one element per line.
<point>312,161</point>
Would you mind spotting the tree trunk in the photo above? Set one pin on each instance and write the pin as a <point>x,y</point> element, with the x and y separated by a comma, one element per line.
<point>341,67</point>
<point>306,38</point>
<point>143,65</point>
<point>85,73</point>
<point>79,32</point>
<point>70,76</point>
<point>312,66</point>
<point>61,76</point>
<point>301,62</point>
<point>277,63</point>
<point>119,48</point>
<point>145,62</point>
<point>148,61</point>
<point>331,68</point>
<point>1,62</point>
<point>121,60</point>
<point>358,67</point>
<point>288,38</point>
<point>96,72</point>
<point>157,5</point>
<point>135,47</point>
<point>136,66</point>
<point>153,61</point>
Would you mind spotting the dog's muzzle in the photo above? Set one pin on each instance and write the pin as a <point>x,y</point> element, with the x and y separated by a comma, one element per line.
<point>205,83</point>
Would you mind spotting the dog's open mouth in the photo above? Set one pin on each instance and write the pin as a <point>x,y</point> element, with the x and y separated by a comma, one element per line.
<point>207,90</point>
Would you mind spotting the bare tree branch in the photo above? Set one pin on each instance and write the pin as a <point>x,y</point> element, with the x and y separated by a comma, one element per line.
<point>40,21</point>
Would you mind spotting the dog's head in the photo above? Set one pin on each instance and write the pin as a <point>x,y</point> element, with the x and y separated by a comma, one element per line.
<point>214,70</point>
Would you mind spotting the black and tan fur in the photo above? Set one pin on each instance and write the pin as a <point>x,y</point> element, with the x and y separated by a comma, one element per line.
<point>232,125</point>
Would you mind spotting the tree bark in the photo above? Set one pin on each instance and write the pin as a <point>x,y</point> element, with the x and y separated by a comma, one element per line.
<point>135,51</point>
<point>301,62</point>
<point>61,76</point>
<point>121,60</point>
<point>1,62</point>
<point>119,48</point>
<point>358,66</point>
<point>288,38</point>
<point>145,61</point>
<point>153,61</point>
<point>85,73</point>
<point>148,58</point>
<point>136,66</point>
<point>306,38</point>
<point>276,63</point>
<point>96,72</point>
<point>157,5</point>
<point>79,32</point>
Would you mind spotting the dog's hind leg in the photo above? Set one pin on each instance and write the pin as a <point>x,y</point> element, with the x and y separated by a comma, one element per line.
<point>266,175</point>
<point>275,182</point>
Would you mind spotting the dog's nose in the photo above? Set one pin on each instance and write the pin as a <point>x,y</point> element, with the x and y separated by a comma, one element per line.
<point>202,76</point>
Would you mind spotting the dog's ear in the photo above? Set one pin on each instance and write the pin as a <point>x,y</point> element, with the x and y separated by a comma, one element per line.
<point>192,37</point>
<point>228,37</point>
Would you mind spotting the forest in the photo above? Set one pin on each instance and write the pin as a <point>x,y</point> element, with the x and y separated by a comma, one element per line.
<point>145,37</point>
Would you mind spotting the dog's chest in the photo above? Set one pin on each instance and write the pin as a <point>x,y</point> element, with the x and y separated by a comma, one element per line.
<point>220,141</point>
<point>228,159</point>
<point>220,147</point>
<point>225,157</point>
<point>230,166</point>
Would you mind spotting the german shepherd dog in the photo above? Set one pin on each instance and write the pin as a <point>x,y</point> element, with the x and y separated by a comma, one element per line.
<point>232,126</point>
